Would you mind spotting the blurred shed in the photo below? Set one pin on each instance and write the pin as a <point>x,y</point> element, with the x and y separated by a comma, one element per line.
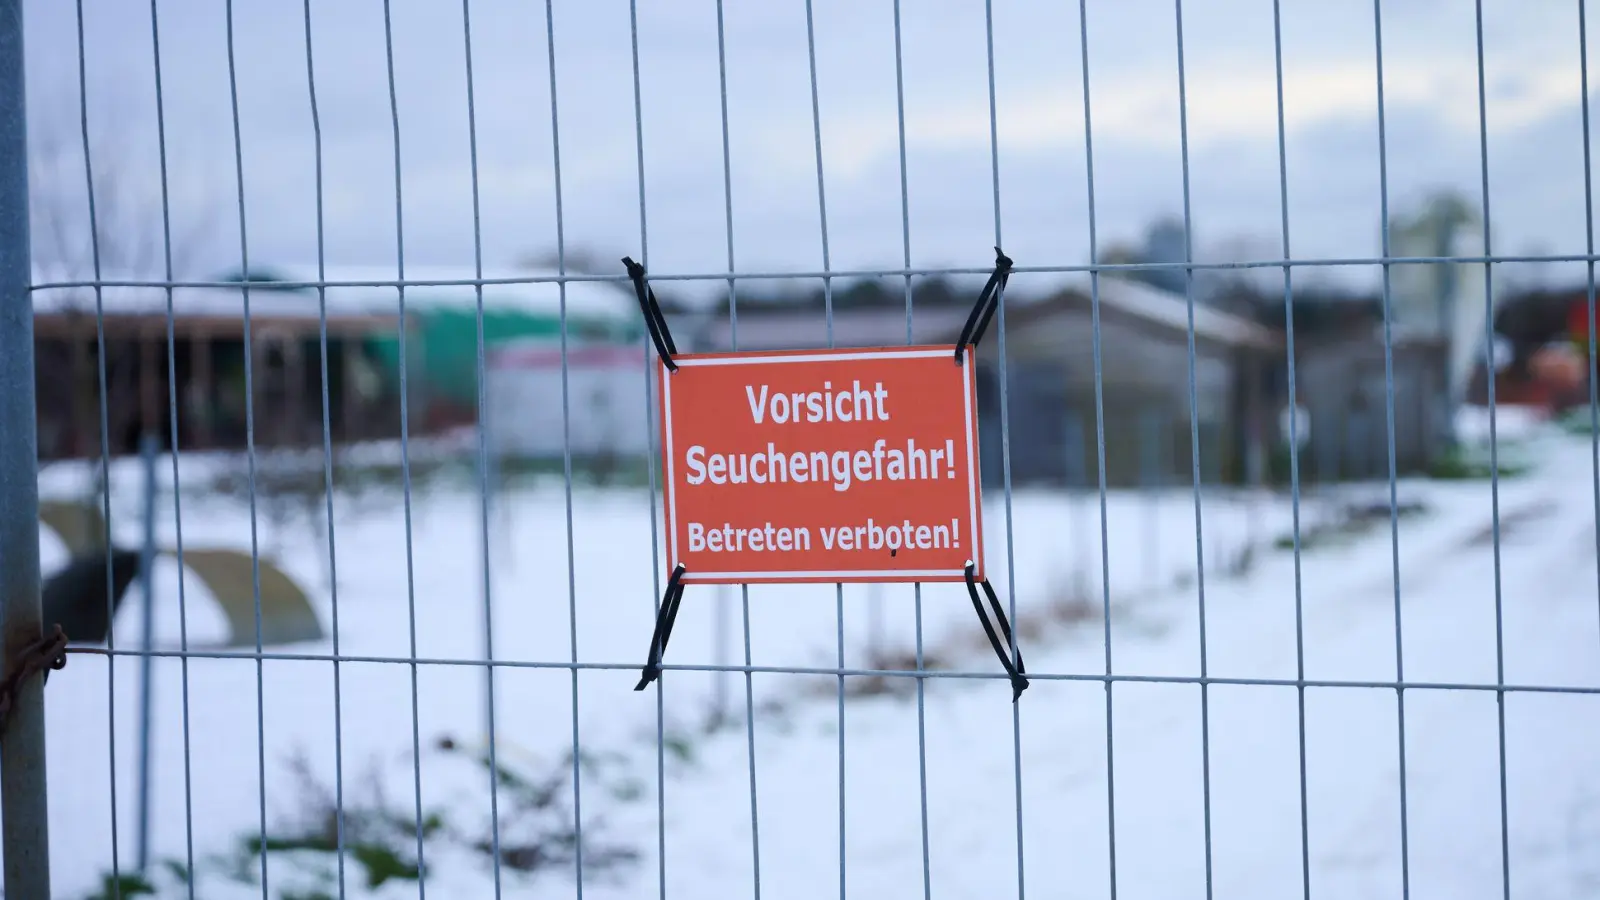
<point>1144,377</point>
<point>194,359</point>
<point>1050,374</point>
<point>1343,380</point>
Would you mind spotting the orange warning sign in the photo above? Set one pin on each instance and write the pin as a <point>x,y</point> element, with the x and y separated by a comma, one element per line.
<point>821,466</point>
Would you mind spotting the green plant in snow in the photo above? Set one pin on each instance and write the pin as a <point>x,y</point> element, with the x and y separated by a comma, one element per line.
<point>537,833</point>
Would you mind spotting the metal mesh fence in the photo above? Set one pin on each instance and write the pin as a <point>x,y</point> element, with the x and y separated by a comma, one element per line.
<point>1100,451</point>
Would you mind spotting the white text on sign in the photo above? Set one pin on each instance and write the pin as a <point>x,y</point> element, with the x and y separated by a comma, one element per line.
<point>852,404</point>
<point>840,467</point>
<point>871,536</point>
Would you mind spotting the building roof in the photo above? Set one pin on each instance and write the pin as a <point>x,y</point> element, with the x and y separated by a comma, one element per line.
<point>1156,307</point>
<point>535,291</point>
<point>791,326</point>
<point>364,294</point>
<point>146,302</point>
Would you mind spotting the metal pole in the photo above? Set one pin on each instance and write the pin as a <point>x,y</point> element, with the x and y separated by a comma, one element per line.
<point>146,661</point>
<point>24,810</point>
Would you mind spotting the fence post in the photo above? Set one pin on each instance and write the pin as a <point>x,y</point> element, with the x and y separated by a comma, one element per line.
<point>24,841</point>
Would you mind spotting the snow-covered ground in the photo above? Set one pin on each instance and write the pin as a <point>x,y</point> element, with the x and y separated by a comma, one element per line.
<point>1000,791</point>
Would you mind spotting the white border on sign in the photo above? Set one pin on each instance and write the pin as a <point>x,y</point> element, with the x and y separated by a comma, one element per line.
<point>672,483</point>
<point>779,577</point>
<point>918,353</point>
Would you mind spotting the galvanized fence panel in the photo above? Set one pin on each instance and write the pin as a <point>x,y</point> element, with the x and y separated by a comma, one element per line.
<point>23,786</point>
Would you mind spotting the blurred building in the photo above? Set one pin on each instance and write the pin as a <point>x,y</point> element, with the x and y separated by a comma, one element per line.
<point>1050,374</point>
<point>566,370</point>
<point>385,353</point>
<point>1343,378</point>
<point>591,399</point>
<point>192,365</point>
<point>1143,376</point>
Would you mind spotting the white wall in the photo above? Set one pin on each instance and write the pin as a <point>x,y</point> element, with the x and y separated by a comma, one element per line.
<point>606,400</point>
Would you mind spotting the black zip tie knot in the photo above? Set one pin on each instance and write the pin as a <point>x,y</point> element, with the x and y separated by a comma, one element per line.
<point>988,301</point>
<point>653,320</point>
<point>1014,671</point>
<point>664,619</point>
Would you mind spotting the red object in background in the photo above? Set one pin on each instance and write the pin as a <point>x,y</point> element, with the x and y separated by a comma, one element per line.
<point>1522,392</point>
<point>1558,366</point>
<point>1578,323</point>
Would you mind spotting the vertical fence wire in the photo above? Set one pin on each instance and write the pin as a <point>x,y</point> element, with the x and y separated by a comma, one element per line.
<point>649,406</point>
<point>566,443</point>
<point>105,440</point>
<point>1494,461</point>
<point>827,307</point>
<point>1194,449</point>
<point>1100,454</point>
<point>172,406</point>
<point>733,339</point>
<point>572,567</point>
<point>1005,434</point>
<point>340,850</point>
<point>405,437</point>
<point>1294,453</point>
<point>250,453</point>
<point>1588,236</point>
<point>1394,493</point>
<point>483,461</point>
<point>916,589</point>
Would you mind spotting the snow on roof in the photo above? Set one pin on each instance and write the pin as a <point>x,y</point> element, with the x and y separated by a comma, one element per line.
<point>186,302</point>
<point>363,294</point>
<point>1172,311</point>
<point>584,298</point>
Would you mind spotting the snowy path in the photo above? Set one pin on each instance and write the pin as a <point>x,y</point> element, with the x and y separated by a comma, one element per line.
<point>1352,747</point>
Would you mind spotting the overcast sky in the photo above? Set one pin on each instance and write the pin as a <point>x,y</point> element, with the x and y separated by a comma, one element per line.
<point>1531,58</point>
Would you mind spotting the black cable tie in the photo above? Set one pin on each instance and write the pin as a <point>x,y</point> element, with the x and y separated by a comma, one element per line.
<point>653,320</point>
<point>1015,671</point>
<point>988,301</point>
<point>664,619</point>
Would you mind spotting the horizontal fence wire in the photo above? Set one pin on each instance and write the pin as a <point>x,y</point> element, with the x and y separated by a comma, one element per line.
<point>650,497</point>
<point>932,674</point>
<point>841,274</point>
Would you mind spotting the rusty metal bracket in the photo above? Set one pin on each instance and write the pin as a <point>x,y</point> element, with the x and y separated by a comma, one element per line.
<point>38,658</point>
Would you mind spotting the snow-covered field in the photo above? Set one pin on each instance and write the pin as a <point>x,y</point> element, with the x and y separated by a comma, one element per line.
<point>1001,792</point>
